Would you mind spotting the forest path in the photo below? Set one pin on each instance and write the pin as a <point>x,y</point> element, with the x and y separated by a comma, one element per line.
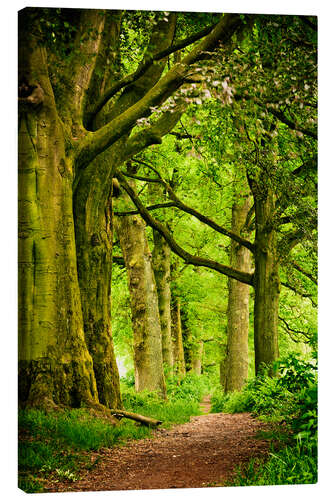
<point>205,405</point>
<point>203,452</point>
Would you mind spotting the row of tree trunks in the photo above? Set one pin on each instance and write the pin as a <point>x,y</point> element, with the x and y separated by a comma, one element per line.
<point>148,361</point>
<point>65,343</point>
<point>234,364</point>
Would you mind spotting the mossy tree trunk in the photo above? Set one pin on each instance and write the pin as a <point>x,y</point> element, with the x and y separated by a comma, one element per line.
<point>161,264</point>
<point>55,366</point>
<point>236,360</point>
<point>94,239</point>
<point>161,255</point>
<point>177,340</point>
<point>266,278</point>
<point>197,354</point>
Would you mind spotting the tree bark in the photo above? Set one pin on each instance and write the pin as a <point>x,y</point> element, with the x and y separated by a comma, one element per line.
<point>161,264</point>
<point>177,338</point>
<point>94,238</point>
<point>197,358</point>
<point>148,361</point>
<point>266,279</point>
<point>236,361</point>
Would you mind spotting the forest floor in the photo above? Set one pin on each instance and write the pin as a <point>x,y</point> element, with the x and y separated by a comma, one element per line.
<point>203,452</point>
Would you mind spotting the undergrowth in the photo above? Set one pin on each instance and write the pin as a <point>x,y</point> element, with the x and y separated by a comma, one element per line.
<point>54,446</point>
<point>290,401</point>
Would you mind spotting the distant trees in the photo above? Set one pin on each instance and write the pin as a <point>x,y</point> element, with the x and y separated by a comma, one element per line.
<point>268,127</point>
<point>147,335</point>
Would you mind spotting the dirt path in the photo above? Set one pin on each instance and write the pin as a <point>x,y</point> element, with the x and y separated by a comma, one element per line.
<point>205,405</point>
<point>202,452</point>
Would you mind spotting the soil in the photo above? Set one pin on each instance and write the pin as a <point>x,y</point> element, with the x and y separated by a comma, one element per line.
<point>203,452</point>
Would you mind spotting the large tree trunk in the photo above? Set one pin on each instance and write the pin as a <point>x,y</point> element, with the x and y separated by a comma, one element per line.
<point>236,361</point>
<point>94,237</point>
<point>148,361</point>
<point>54,363</point>
<point>177,338</point>
<point>161,264</point>
<point>266,280</point>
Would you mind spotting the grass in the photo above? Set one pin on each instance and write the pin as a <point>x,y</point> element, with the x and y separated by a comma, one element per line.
<point>54,445</point>
<point>171,412</point>
<point>57,445</point>
<point>291,465</point>
<point>289,404</point>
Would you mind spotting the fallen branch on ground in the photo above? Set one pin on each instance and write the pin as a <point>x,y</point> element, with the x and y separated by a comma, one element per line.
<point>149,422</point>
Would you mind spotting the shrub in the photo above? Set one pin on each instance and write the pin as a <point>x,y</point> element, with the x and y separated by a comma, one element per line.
<point>192,387</point>
<point>261,396</point>
<point>290,397</point>
<point>294,373</point>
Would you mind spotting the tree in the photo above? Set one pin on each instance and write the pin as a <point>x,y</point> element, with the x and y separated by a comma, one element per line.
<point>177,339</point>
<point>236,358</point>
<point>77,119</point>
<point>161,258</point>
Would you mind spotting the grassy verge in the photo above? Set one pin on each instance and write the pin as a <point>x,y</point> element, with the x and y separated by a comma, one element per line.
<point>296,464</point>
<point>289,403</point>
<point>59,445</point>
<point>56,445</point>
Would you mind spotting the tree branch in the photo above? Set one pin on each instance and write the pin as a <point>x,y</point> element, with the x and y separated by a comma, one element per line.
<point>144,66</point>
<point>154,133</point>
<point>180,136</point>
<point>82,70</point>
<point>303,271</point>
<point>202,218</point>
<point>300,292</point>
<point>151,207</point>
<point>118,260</point>
<point>95,143</point>
<point>187,257</point>
<point>290,240</point>
<point>292,330</point>
<point>291,124</point>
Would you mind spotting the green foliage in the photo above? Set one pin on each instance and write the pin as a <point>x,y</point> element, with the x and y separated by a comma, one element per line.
<point>295,373</point>
<point>262,395</point>
<point>291,465</point>
<point>191,388</point>
<point>305,425</point>
<point>183,401</point>
<point>52,445</point>
<point>290,398</point>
